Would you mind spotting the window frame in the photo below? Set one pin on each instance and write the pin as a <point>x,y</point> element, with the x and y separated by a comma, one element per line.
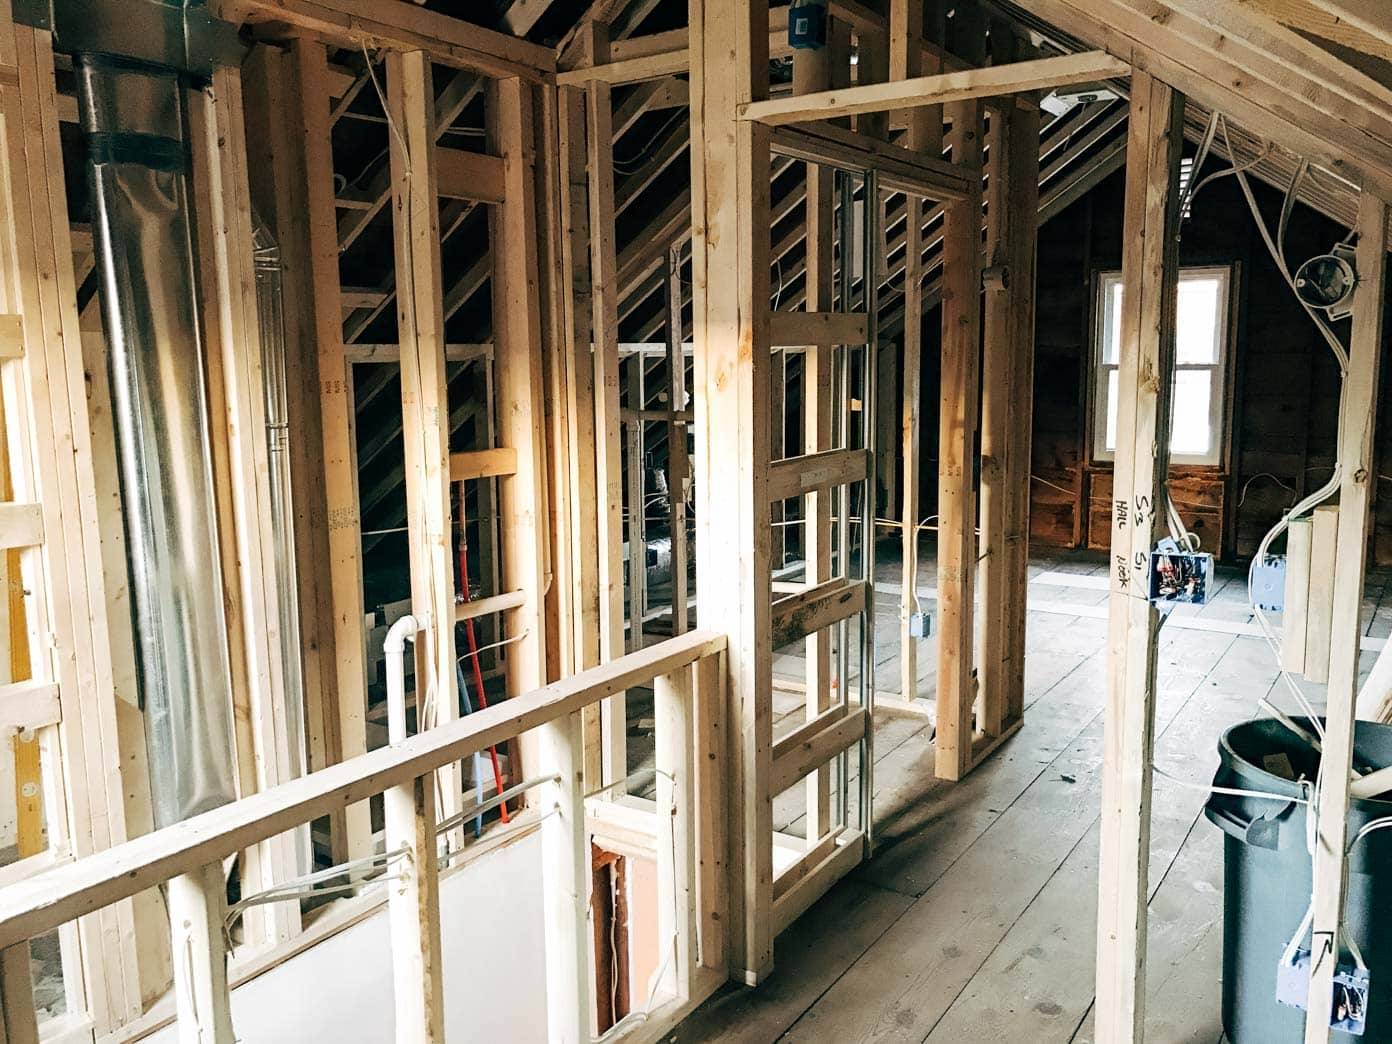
<point>1099,370</point>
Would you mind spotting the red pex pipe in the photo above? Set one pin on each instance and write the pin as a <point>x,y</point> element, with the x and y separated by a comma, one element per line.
<point>473,644</point>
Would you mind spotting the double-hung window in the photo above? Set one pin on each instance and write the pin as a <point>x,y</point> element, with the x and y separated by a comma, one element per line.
<point>1198,428</point>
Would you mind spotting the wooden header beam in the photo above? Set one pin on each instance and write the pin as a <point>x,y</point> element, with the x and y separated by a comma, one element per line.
<point>1039,74</point>
<point>401,27</point>
<point>899,169</point>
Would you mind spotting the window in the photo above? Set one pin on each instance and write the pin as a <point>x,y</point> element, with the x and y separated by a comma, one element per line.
<point>1201,361</point>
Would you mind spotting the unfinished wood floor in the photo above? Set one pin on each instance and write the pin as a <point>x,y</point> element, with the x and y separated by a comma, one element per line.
<point>975,919</point>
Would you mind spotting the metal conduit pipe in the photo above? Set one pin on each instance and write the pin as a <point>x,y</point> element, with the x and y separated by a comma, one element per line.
<point>135,119</point>
<point>271,320</point>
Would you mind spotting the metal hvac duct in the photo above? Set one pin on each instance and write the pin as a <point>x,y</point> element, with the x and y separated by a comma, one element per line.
<point>135,119</point>
<point>270,301</point>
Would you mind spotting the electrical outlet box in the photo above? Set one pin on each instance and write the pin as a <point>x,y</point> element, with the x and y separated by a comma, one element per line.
<point>807,24</point>
<point>1348,1005</point>
<point>1179,576</point>
<point>1269,584</point>
<point>920,625</point>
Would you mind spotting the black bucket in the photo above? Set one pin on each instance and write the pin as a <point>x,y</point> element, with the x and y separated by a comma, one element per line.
<point>1267,879</point>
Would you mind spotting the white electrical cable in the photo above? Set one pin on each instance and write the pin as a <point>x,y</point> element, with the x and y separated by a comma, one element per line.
<point>636,1018</point>
<point>304,886</point>
<point>1369,827</point>
<point>1276,254</point>
<point>1232,791</point>
<point>1274,247</point>
<point>386,108</point>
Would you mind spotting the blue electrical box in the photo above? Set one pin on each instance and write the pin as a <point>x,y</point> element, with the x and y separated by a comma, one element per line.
<point>1348,1007</point>
<point>1269,584</point>
<point>807,25</point>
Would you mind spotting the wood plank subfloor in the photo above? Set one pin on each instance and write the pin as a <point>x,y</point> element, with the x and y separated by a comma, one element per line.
<point>975,921</point>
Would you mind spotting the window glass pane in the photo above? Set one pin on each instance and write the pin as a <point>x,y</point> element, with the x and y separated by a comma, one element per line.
<point>1111,407</point>
<point>1196,334</point>
<point>1111,328</point>
<point>1192,432</point>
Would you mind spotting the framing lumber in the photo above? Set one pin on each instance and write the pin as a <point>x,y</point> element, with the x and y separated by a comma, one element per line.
<point>799,329</point>
<point>813,70</point>
<point>38,904</point>
<point>635,529</point>
<point>1012,211</point>
<point>1369,15</point>
<point>673,714</point>
<point>480,464</point>
<point>958,414</point>
<point>939,89</point>
<point>413,909</point>
<point>402,27</point>
<point>566,874</point>
<point>1201,62</point>
<point>908,20</point>
<point>21,525</point>
<point>232,327</point>
<point>796,476</point>
<point>1319,609</point>
<point>1358,477</point>
<point>473,176</point>
<point>650,56</point>
<point>580,405</point>
<point>842,858</point>
<point>604,328</point>
<point>473,609</point>
<point>811,747</point>
<point>424,397</point>
<point>18,1024</point>
<point>1023,202</point>
<point>804,613</point>
<point>51,462</point>
<point>730,276</point>
<point>1150,275</point>
<point>336,667</point>
<point>517,320</point>
<point>197,912</point>
<point>809,860</point>
<point>27,705</point>
<point>678,454</point>
<point>712,812</point>
<point>900,169</point>
<point>1297,594</point>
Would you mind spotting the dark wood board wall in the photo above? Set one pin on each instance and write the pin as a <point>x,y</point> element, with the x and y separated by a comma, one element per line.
<point>1283,394</point>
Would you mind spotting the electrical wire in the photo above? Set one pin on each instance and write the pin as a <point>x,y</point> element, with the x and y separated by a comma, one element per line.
<point>1277,255</point>
<point>304,885</point>
<point>1275,248</point>
<point>633,163</point>
<point>1264,474</point>
<point>386,108</point>
<point>1370,827</point>
<point>636,1018</point>
<point>1232,791</point>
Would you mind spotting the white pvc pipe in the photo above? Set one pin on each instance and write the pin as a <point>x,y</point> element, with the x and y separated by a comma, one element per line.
<point>394,647</point>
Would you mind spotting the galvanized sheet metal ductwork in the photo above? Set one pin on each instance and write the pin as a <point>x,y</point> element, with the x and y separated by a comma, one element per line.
<point>270,310</point>
<point>135,119</point>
